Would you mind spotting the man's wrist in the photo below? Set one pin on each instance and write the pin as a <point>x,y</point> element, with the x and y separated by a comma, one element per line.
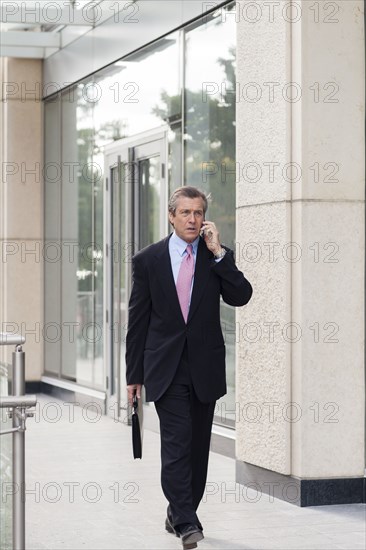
<point>220,253</point>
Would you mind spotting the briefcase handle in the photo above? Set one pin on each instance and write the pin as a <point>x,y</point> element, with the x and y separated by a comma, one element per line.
<point>135,402</point>
<point>136,431</point>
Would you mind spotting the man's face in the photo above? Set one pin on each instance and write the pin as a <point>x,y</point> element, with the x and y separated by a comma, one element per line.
<point>188,218</point>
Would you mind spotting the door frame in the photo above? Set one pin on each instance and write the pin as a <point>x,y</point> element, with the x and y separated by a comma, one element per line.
<point>124,151</point>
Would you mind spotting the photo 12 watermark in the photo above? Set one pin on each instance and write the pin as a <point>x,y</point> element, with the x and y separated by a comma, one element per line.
<point>73,492</point>
<point>272,11</point>
<point>48,12</point>
<point>271,92</point>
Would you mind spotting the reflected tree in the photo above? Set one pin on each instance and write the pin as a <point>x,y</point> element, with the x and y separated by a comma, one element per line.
<point>209,142</point>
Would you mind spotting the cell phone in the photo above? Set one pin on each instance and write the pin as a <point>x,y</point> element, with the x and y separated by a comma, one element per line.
<point>202,230</point>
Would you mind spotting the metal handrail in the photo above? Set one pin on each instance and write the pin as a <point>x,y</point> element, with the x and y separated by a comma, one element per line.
<point>11,402</point>
<point>20,405</point>
<point>8,339</point>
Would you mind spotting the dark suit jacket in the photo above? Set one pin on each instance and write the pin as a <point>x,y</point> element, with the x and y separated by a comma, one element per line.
<point>156,327</point>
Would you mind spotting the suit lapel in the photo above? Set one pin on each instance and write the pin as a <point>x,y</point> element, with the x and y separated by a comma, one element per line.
<point>163,267</point>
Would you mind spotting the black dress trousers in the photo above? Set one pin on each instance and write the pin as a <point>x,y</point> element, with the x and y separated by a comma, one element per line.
<point>185,433</point>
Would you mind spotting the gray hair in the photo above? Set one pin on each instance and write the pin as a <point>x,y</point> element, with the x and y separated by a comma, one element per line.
<point>189,192</point>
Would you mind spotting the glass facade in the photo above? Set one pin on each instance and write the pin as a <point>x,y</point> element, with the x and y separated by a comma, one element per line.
<point>74,242</point>
<point>181,85</point>
<point>209,133</point>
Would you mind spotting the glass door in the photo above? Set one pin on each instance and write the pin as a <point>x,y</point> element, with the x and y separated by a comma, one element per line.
<point>136,216</point>
<point>117,233</point>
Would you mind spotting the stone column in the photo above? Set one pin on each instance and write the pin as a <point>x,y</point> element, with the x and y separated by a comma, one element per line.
<point>300,220</point>
<point>21,226</point>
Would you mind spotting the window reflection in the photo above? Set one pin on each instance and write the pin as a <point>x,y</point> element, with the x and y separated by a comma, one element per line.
<point>209,147</point>
<point>138,93</point>
<point>79,271</point>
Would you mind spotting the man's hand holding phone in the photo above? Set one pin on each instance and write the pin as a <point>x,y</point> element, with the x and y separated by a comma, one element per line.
<point>211,236</point>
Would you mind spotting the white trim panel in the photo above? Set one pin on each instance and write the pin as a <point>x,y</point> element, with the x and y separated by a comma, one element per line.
<point>72,386</point>
<point>32,39</point>
<point>24,52</point>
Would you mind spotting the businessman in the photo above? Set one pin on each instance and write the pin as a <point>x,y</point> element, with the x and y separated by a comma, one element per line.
<point>175,347</point>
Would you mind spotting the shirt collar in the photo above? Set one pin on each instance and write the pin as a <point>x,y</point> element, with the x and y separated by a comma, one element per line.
<point>180,245</point>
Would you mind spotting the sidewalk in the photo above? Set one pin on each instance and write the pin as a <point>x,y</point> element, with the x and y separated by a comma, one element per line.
<point>86,491</point>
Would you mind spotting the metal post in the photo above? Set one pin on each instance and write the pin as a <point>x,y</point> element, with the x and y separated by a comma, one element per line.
<point>20,405</point>
<point>18,454</point>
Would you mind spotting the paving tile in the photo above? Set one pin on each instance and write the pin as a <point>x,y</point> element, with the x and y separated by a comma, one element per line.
<point>339,528</point>
<point>100,454</point>
<point>242,543</point>
<point>352,537</point>
<point>309,542</point>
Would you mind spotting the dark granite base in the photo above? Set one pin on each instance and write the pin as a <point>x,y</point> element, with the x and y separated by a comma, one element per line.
<point>222,445</point>
<point>302,492</point>
<point>35,387</point>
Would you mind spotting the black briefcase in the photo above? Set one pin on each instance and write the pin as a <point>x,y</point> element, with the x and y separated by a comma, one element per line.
<point>136,428</point>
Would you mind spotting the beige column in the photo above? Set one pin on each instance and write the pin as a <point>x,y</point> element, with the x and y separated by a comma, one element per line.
<point>21,227</point>
<point>300,219</point>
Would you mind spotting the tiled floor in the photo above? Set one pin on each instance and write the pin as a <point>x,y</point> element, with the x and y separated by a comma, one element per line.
<point>86,491</point>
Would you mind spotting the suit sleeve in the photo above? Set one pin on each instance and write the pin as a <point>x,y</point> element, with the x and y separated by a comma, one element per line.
<point>236,290</point>
<point>139,310</point>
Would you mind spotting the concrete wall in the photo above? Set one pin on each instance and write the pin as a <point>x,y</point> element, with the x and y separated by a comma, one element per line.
<point>21,226</point>
<point>306,342</point>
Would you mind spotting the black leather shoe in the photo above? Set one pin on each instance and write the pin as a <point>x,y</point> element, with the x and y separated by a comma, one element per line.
<point>169,526</point>
<point>190,535</point>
